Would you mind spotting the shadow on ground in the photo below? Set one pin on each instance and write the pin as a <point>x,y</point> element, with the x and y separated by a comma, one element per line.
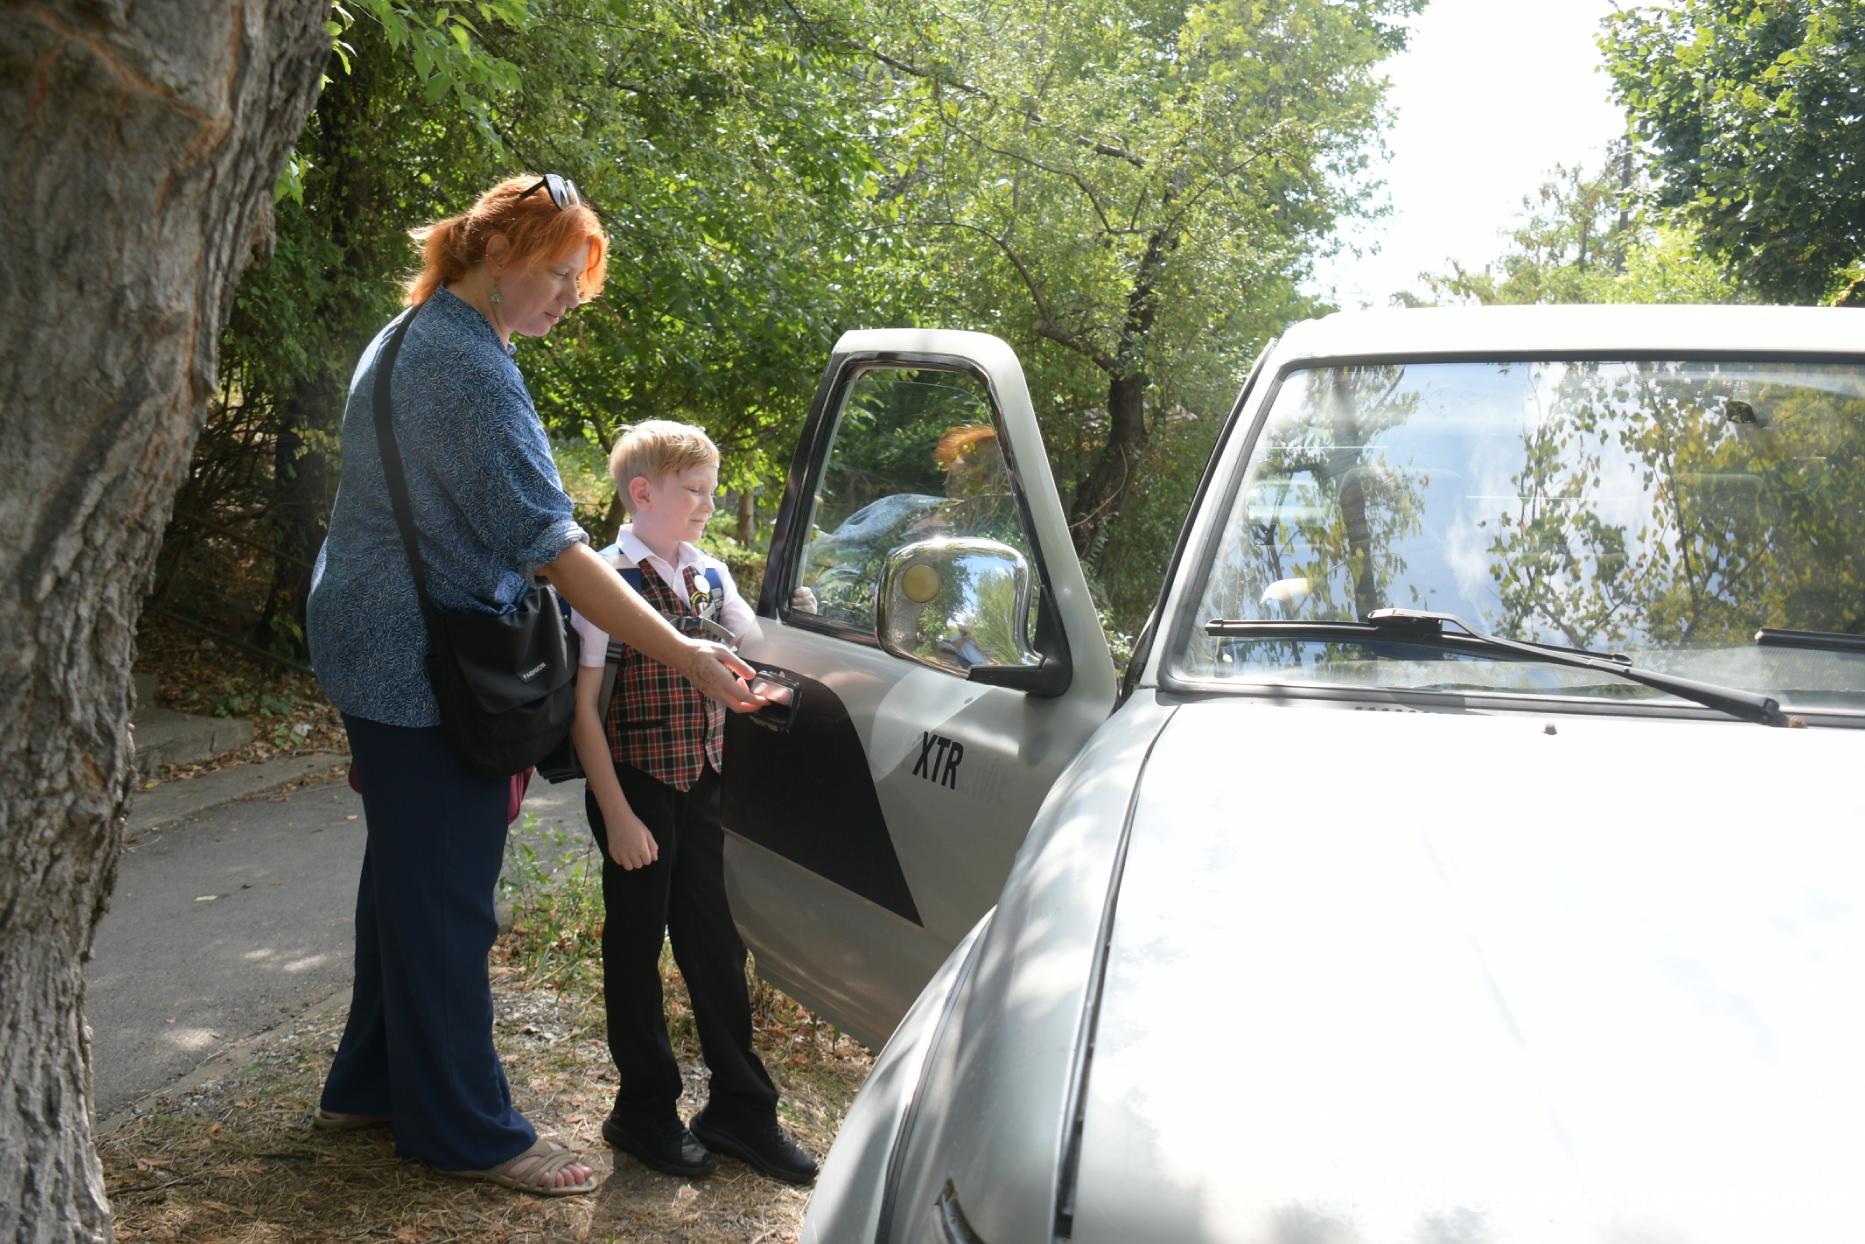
<point>233,1159</point>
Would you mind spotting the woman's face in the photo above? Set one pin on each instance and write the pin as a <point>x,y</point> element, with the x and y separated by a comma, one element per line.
<point>535,296</point>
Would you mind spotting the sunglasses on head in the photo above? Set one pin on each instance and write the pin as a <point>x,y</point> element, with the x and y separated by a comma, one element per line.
<point>562,190</point>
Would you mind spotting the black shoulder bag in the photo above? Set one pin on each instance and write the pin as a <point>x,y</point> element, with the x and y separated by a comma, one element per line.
<point>506,683</point>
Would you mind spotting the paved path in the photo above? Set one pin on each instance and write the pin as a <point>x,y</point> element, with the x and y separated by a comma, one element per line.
<point>232,913</point>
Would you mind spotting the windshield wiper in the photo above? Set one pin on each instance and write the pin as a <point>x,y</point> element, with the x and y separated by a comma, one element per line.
<point>1829,641</point>
<point>1421,624</point>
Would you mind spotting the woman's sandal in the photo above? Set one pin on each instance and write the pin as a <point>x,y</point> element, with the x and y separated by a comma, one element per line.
<point>333,1121</point>
<point>540,1162</point>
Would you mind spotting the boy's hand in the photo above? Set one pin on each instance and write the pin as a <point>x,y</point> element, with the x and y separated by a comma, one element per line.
<point>715,671</point>
<point>630,844</point>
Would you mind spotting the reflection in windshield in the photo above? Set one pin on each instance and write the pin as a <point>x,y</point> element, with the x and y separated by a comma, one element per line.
<point>1668,510</point>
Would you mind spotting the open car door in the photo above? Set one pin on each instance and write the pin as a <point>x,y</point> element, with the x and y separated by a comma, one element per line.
<point>923,599</point>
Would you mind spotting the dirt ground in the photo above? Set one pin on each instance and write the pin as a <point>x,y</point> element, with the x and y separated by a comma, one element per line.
<point>234,1159</point>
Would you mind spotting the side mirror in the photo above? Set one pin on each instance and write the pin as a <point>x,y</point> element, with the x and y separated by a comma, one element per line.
<point>962,604</point>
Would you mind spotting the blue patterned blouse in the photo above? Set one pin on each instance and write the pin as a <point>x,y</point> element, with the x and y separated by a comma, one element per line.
<point>488,506</point>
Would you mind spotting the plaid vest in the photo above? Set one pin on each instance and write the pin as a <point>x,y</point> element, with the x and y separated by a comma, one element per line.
<point>657,722</point>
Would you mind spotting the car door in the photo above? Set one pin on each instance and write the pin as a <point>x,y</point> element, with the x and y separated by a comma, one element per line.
<point>924,597</point>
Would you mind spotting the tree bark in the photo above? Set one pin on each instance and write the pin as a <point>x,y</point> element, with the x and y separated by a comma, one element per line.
<point>1102,491</point>
<point>301,498</point>
<point>138,149</point>
<point>310,414</point>
<point>747,530</point>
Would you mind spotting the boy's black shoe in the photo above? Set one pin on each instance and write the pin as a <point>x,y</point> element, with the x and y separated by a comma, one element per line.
<point>665,1146</point>
<point>764,1147</point>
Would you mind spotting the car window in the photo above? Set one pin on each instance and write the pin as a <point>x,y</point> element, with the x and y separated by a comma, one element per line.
<point>1668,510</point>
<point>914,457</point>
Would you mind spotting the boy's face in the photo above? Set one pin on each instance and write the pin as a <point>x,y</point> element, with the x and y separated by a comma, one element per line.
<point>676,504</point>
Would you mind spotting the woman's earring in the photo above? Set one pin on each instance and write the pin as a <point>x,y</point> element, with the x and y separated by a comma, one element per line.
<point>497,297</point>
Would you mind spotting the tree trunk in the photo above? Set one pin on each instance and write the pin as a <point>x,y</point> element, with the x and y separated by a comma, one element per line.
<point>301,497</point>
<point>1099,495</point>
<point>747,530</point>
<point>138,149</point>
<point>310,416</point>
<point>1103,490</point>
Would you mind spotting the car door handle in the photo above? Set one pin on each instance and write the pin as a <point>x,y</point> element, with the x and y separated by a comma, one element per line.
<point>784,694</point>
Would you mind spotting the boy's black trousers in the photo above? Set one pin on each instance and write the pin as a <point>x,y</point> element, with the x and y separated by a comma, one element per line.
<point>679,897</point>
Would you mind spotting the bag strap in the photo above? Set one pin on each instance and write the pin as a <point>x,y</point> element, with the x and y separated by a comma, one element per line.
<point>631,573</point>
<point>393,474</point>
<point>611,663</point>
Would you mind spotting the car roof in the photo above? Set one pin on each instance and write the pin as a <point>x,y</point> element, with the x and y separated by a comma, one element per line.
<point>1597,331</point>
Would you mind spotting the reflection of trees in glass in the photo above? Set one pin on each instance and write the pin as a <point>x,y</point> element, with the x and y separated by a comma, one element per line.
<point>885,441</point>
<point>970,620</point>
<point>997,628</point>
<point>1556,561</point>
<point>1324,509</point>
<point>1333,508</point>
<point>915,456</point>
<point>1651,505</point>
<point>1688,504</point>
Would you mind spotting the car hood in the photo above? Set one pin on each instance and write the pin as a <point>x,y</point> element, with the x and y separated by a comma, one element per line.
<point>1397,976</point>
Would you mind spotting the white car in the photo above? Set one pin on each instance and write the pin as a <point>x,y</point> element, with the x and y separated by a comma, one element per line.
<point>1474,849</point>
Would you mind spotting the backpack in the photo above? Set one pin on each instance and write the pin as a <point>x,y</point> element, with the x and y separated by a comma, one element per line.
<point>562,764</point>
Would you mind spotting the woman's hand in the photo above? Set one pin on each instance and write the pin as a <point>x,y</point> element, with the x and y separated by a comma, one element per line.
<point>715,671</point>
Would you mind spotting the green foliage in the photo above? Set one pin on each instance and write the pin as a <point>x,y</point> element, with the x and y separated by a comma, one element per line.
<point>445,48</point>
<point>1749,111</point>
<point>1579,240</point>
<point>1130,193</point>
<point>584,470</point>
<point>555,897</point>
<point>238,698</point>
<point>746,564</point>
<point>723,156</point>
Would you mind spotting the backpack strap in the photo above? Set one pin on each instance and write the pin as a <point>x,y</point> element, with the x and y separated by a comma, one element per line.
<point>631,573</point>
<point>612,660</point>
<point>686,624</point>
<point>623,565</point>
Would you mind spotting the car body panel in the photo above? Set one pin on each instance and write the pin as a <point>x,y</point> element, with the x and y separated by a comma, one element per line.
<point>1006,1047</point>
<point>1571,331</point>
<point>850,1193</point>
<point>1630,1012</point>
<point>852,869</point>
<point>1337,963</point>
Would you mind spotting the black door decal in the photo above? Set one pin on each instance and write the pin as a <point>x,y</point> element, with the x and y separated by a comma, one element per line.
<point>806,794</point>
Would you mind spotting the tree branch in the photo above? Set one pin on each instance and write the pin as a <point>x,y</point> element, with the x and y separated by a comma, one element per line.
<point>1080,182</point>
<point>833,38</point>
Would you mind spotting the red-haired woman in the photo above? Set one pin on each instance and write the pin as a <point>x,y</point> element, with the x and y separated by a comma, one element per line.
<point>417,1051</point>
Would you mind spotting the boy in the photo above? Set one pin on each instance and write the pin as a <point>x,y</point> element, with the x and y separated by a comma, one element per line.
<point>653,764</point>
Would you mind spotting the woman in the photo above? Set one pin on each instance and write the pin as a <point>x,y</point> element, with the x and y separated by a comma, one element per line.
<point>417,1051</point>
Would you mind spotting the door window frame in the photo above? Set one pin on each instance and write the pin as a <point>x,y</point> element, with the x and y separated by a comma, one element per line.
<point>810,463</point>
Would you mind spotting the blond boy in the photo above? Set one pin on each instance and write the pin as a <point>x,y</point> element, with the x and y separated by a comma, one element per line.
<point>653,756</point>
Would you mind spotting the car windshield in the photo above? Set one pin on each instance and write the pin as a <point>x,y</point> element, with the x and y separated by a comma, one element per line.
<point>1666,510</point>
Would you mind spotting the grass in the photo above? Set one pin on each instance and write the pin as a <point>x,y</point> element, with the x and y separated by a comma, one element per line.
<point>235,1160</point>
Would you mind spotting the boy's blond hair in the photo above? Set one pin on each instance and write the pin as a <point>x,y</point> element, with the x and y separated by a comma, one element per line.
<point>656,446</point>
